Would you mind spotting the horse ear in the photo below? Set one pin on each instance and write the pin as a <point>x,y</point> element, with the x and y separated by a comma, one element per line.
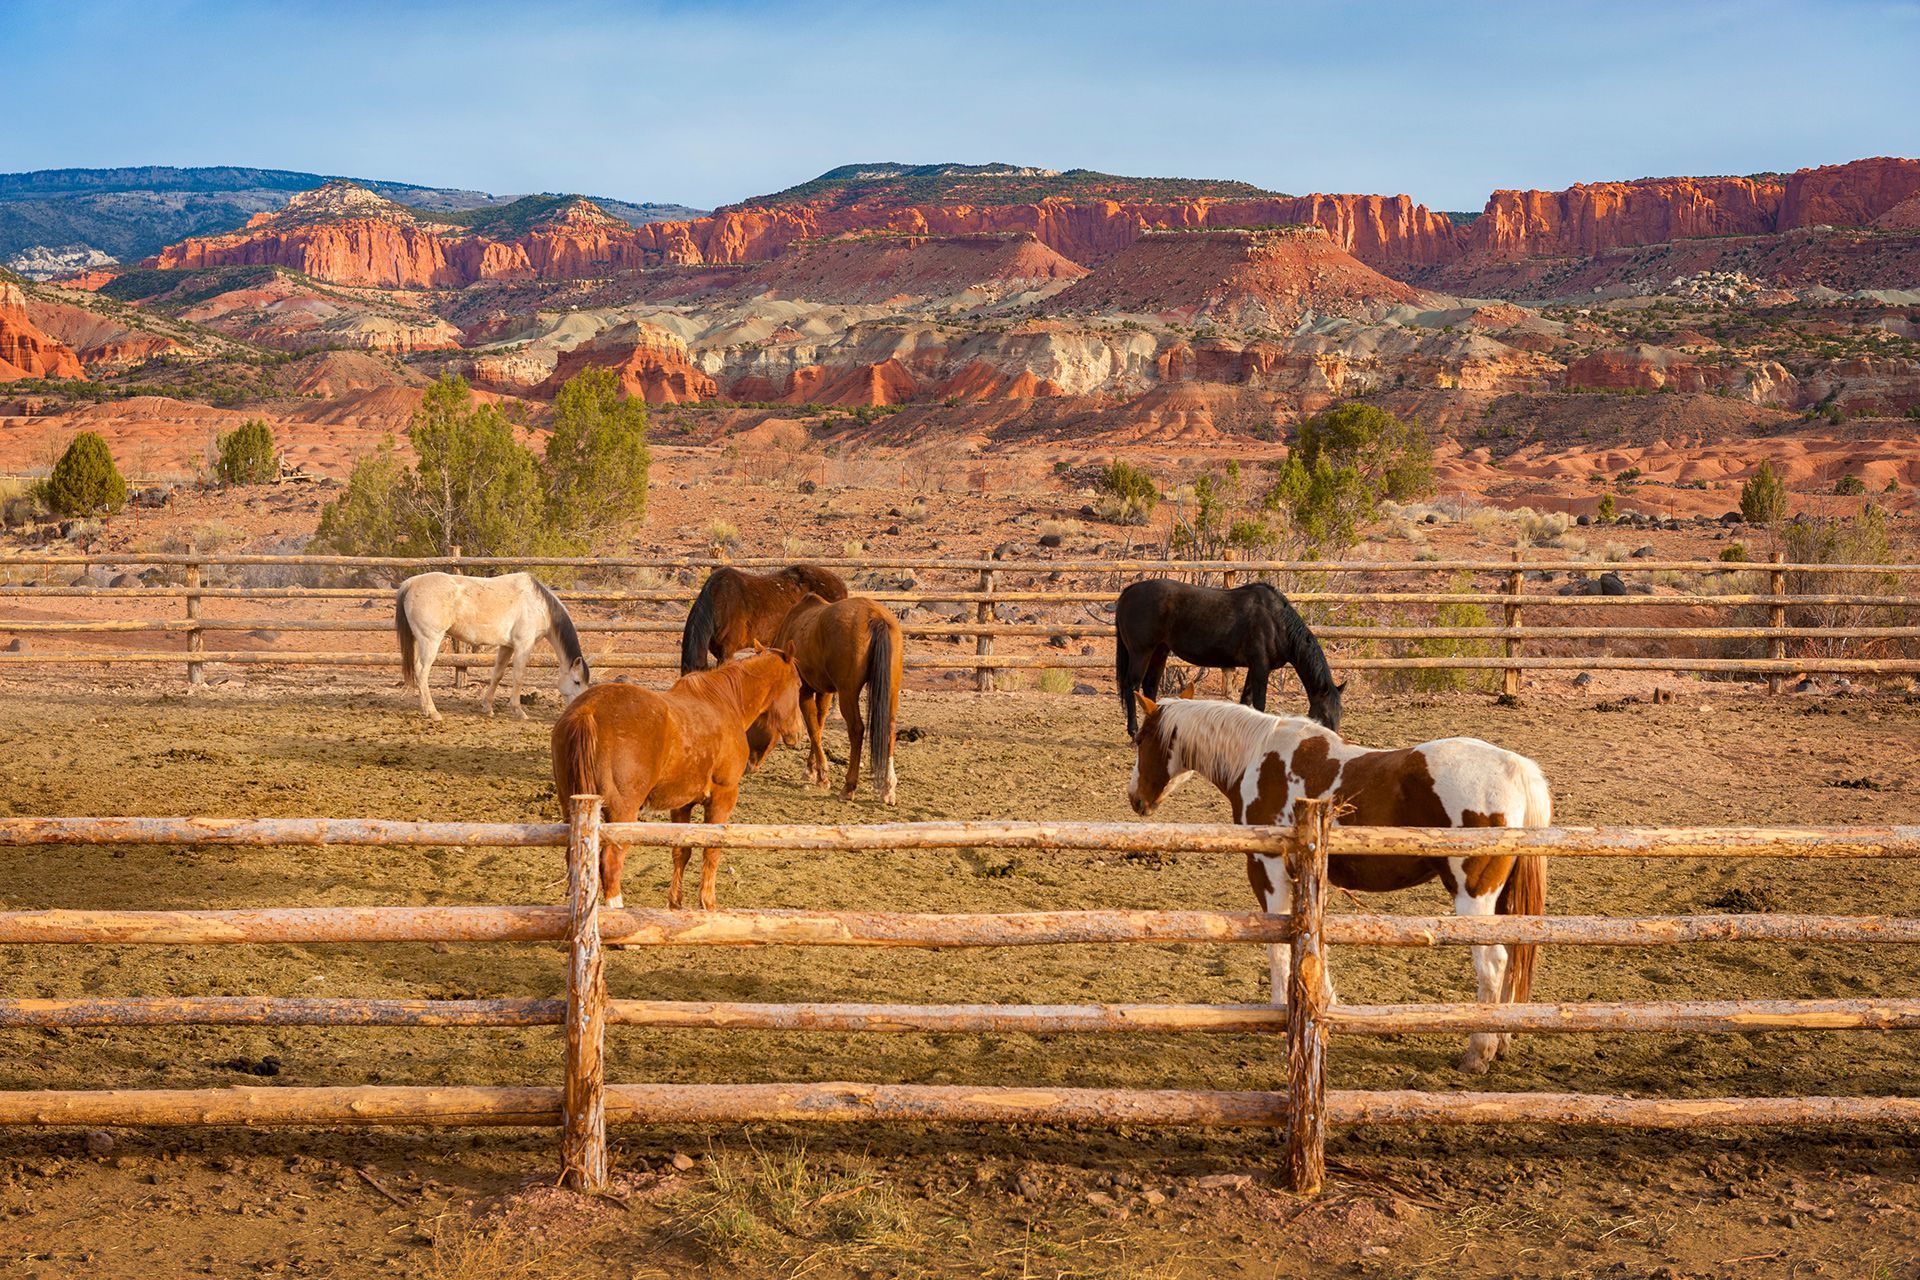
<point>1147,705</point>
<point>1192,686</point>
<point>758,647</point>
<point>1341,687</point>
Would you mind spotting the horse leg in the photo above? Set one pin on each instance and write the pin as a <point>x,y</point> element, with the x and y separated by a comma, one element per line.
<point>519,677</point>
<point>1255,693</point>
<point>1489,968</point>
<point>1156,672</point>
<point>719,809</point>
<point>856,734</point>
<point>1275,892</point>
<point>680,855</point>
<point>426,649</point>
<point>493,682</point>
<point>813,710</point>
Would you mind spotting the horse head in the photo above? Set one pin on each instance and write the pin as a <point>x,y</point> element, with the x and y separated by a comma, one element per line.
<point>1157,765</point>
<point>1325,709</point>
<point>574,680</point>
<point>780,724</point>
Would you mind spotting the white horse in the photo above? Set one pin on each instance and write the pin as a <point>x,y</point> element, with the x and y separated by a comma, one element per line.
<point>509,613</point>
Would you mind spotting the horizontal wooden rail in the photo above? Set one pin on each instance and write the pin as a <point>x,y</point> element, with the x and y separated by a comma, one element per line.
<point>533,1106</point>
<point>288,924</point>
<point>1356,1106</point>
<point>1614,931</point>
<point>1634,842</point>
<point>960,564</point>
<point>278,1011</point>
<point>279,831</point>
<point>1698,1016</point>
<point>930,630</point>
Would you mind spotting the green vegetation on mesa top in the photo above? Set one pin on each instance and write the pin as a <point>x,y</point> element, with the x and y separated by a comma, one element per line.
<point>999,183</point>
<point>513,219</point>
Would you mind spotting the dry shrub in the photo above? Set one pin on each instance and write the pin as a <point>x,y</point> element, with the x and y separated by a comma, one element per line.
<point>789,1205</point>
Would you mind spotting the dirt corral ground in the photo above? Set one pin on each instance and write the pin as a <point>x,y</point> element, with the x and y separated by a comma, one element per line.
<point>908,1202</point>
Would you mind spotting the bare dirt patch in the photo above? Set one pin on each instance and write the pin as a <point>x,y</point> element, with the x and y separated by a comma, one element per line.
<point>1036,1202</point>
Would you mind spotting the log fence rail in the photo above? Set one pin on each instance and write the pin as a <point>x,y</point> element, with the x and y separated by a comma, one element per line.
<point>973,607</point>
<point>584,1104</point>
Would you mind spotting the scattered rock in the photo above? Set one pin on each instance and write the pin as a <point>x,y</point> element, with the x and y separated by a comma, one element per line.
<point>16,645</point>
<point>1583,520</point>
<point>1643,552</point>
<point>1224,1182</point>
<point>682,1161</point>
<point>99,1143</point>
<point>1611,585</point>
<point>1085,691</point>
<point>1582,680</point>
<point>1051,539</point>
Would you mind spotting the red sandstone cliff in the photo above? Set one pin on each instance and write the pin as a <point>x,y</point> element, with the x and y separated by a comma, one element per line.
<point>25,350</point>
<point>347,235</point>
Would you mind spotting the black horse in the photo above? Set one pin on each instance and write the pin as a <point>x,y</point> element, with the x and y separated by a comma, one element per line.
<point>1252,626</point>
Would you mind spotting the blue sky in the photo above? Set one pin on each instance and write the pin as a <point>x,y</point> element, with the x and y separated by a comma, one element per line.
<point>703,103</point>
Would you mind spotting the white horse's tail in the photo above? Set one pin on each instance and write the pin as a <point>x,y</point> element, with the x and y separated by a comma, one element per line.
<point>403,628</point>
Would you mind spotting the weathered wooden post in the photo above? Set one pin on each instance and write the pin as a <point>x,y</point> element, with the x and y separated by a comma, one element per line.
<point>196,671</point>
<point>983,643</point>
<point>1307,1000</point>
<point>1516,578</point>
<point>583,1104</point>
<point>1777,618</point>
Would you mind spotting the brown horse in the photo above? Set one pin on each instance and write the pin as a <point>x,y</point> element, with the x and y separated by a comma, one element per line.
<point>736,609</point>
<point>638,749</point>
<point>1263,764</point>
<point>841,647</point>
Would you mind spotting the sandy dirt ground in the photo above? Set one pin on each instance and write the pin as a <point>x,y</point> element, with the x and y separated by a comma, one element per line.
<point>770,1201</point>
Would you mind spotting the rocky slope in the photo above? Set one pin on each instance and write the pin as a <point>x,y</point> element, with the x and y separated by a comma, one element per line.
<point>27,351</point>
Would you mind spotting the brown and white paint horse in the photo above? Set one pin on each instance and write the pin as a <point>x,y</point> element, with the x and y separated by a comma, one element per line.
<point>1265,764</point>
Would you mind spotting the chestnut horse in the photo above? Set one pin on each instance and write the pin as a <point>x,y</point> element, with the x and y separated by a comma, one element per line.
<point>637,749</point>
<point>736,609</point>
<point>1263,764</point>
<point>841,647</point>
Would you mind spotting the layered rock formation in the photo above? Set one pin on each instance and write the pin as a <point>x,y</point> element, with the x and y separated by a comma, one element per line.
<point>1267,279</point>
<point>26,351</point>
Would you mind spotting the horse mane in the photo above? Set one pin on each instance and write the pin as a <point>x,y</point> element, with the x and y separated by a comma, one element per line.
<point>1309,659</point>
<point>566,638</point>
<point>1216,738</point>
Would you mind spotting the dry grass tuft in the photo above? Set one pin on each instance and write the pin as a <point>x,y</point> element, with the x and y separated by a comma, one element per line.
<point>805,1211</point>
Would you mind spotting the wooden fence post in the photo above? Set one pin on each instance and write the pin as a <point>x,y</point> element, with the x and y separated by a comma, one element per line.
<point>583,1104</point>
<point>196,672</point>
<point>1307,1000</point>
<point>983,645</point>
<point>1777,617</point>
<point>1516,579</point>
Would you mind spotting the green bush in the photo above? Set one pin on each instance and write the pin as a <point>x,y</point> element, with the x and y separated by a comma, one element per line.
<point>1345,462</point>
<point>1849,486</point>
<point>246,455</point>
<point>476,487</point>
<point>1734,553</point>
<point>1606,506</point>
<point>85,479</point>
<point>1763,498</point>
<point>1131,493</point>
<point>597,458</point>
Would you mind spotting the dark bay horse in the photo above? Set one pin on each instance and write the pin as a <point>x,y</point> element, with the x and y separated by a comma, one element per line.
<point>1252,626</point>
<point>736,609</point>
<point>637,749</point>
<point>1263,764</point>
<point>841,647</point>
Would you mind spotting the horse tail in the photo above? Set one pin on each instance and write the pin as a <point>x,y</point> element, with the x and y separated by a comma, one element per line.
<point>702,621</point>
<point>403,628</point>
<point>881,695</point>
<point>576,757</point>
<point>1525,893</point>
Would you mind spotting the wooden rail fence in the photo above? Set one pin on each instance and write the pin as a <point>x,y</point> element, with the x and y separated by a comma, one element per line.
<point>982,590</point>
<point>584,1103</point>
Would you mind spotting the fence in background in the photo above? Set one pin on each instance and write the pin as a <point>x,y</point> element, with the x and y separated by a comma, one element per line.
<point>584,1103</point>
<point>1364,615</point>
